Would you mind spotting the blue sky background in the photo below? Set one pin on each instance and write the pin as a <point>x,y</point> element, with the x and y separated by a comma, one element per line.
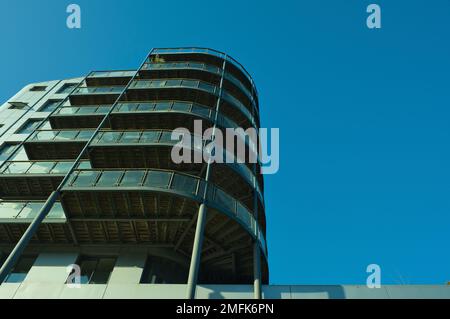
<point>363,114</point>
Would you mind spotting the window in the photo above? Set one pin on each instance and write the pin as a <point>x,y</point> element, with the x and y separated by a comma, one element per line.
<point>38,88</point>
<point>158,270</point>
<point>67,88</point>
<point>29,126</point>
<point>6,150</point>
<point>18,105</point>
<point>95,270</point>
<point>50,106</point>
<point>20,271</point>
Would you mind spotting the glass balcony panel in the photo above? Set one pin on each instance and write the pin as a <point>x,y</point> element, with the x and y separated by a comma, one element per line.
<point>110,137</point>
<point>150,136</point>
<point>190,83</point>
<point>66,135</point>
<point>109,179</point>
<point>166,138</point>
<point>85,135</point>
<point>68,110</point>
<point>57,211</point>
<point>103,109</point>
<point>17,168</point>
<point>145,107</point>
<point>84,165</point>
<point>243,214</point>
<point>202,111</point>
<point>62,167</point>
<point>30,210</point>
<point>163,106</point>
<point>173,83</point>
<point>206,86</point>
<point>10,210</point>
<point>87,110</point>
<point>225,200</point>
<point>180,106</point>
<point>85,179</point>
<point>132,178</point>
<point>184,183</point>
<point>158,179</point>
<point>41,168</point>
<point>130,137</point>
<point>45,135</point>
<point>127,107</point>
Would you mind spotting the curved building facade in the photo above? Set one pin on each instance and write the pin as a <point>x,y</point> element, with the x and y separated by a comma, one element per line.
<point>87,173</point>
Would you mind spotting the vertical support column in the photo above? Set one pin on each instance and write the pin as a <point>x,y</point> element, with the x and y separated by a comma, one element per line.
<point>202,210</point>
<point>257,291</point>
<point>196,252</point>
<point>25,239</point>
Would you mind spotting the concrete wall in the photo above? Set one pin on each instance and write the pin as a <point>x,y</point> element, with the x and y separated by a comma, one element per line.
<point>48,274</point>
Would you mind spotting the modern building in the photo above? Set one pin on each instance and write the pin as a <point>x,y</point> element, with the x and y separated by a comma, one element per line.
<point>87,179</point>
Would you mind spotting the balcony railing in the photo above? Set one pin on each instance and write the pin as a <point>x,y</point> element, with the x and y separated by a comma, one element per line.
<point>83,110</point>
<point>198,66</point>
<point>171,182</point>
<point>111,74</point>
<point>205,51</point>
<point>25,212</point>
<point>99,90</point>
<point>164,137</point>
<point>61,135</point>
<point>196,84</point>
<point>40,167</point>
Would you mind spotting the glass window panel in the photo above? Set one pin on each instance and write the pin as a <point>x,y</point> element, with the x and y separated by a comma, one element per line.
<point>128,107</point>
<point>87,269</point>
<point>85,179</point>
<point>190,83</point>
<point>50,106</point>
<point>29,127</point>
<point>103,271</point>
<point>6,150</point>
<point>66,135</point>
<point>108,179</point>
<point>158,179</point>
<point>150,136</point>
<point>17,168</point>
<point>57,212</point>
<point>84,135</point>
<point>132,178</point>
<point>10,210</point>
<point>20,155</point>
<point>62,167</point>
<point>41,168</point>
<point>184,183</point>
<point>130,137</point>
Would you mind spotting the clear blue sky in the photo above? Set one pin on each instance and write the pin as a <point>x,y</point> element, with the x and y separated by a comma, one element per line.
<point>364,115</point>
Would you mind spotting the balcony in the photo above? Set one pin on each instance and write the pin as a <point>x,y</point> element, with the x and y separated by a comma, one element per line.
<point>109,78</point>
<point>152,149</point>
<point>16,216</point>
<point>189,90</point>
<point>153,196</point>
<point>189,69</point>
<point>72,117</point>
<point>209,56</point>
<point>31,179</point>
<point>95,95</point>
<point>56,144</point>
